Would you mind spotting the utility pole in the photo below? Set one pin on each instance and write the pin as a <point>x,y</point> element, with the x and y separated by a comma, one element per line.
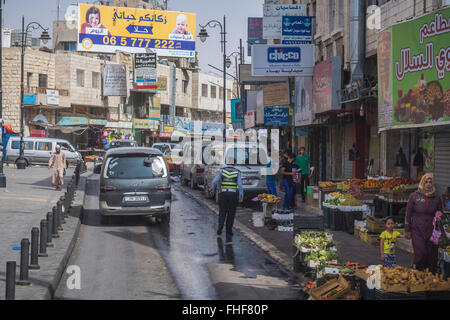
<point>2,175</point>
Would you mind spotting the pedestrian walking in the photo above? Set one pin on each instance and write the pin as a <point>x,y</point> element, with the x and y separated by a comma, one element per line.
<point>303,161</point>
<point>388,240</point>
<point>423,206</point>
<point>286,171</point>
<point>58,161</point>
<point>230,192</point>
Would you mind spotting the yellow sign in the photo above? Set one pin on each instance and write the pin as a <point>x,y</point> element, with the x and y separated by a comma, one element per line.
<point>161,83</point>
<point>168,129</point>
<point>154,111</point>
<point>107,29</point>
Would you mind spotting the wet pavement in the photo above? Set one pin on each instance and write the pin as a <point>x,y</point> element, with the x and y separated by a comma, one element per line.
<point>133,258</point>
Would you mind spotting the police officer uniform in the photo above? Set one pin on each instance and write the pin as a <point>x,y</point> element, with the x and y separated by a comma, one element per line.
<point>231,191</point>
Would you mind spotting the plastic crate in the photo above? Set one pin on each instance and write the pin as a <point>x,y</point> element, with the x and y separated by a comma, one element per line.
<point>350,218</point>
<point>384,295</point>
<point>337,220</point>
<point>308,222</point>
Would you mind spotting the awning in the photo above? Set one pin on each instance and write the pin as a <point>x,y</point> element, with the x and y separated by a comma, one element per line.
<point>72,121</point>
<point>40,118</point>
<point>63,129</point>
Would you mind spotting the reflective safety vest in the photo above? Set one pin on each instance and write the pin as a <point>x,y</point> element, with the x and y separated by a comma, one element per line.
<point>229,179</point>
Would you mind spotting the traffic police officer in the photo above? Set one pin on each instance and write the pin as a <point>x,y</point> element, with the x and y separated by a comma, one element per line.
<point>229,187</point>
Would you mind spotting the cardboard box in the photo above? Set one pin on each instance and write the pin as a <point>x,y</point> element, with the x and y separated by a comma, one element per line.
<point>312,197</point>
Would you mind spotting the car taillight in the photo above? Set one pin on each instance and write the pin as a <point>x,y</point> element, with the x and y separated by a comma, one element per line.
<point>107,189</point>
<point>200,170</point>
<point>164,188</point>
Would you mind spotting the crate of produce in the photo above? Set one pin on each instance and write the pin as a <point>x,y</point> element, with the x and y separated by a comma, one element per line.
<point>373,239</point>
<point>350,218</point>
<point>375,225</point>
<point>373,190</point>
<point>356,232</point>
<point>327,186</point>
<point>331,290</point>
<point>308,222</point>
<point>363,235</point>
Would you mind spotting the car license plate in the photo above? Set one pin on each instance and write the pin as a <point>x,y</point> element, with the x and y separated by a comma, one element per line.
<point>135,198</point>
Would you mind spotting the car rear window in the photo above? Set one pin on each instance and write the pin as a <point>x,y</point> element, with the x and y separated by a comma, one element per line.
<point>133,167</point>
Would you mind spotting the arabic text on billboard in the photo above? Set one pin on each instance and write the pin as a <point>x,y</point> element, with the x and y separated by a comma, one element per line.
<point>296,30</point>
<point>107,29</point>
<point>115,80</point>
<point>273,13</point>
<point>255,33</point>
<point>417,89</point>
<point>326,81</point>
<point>276,116</point>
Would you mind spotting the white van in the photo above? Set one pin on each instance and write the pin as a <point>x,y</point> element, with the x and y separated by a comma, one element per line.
<point>39,150</point>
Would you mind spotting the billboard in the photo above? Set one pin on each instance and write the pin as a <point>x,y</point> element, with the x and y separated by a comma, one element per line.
<point>276,116</point>
<point>415,68</point>
<point>276,94</point>
<point>254,33</point>
<point>326,82</point>
<point>145,71</point>
<point>303,101</point>
<point>283,60</point>
<point>115,80</point>
<point>273,14</point>
<point>107,29</point>
<point>296,30</point>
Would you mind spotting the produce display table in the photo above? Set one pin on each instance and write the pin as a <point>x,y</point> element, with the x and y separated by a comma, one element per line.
<point>389,207</point>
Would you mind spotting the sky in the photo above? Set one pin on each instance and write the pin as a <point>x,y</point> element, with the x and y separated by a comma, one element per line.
<point>236,12</point>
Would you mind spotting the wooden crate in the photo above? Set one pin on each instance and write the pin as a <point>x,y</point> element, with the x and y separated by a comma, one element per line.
<point>373,239</point>
<point>375,226</point>
<point>334,284</point>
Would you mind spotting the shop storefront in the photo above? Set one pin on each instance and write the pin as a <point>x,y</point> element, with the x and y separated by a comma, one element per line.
<point>140,131</point>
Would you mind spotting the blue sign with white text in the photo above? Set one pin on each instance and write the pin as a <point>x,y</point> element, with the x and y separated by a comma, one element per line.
<point>276,116</point>
<point>296,30</point>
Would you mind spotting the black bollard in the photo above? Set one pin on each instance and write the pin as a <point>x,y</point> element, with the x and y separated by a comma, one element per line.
<point>34,263</point>
<point>24,259</point>
<point>10,291</point>
<point>49,229</point>
<point>60,212</point>
<point>55,225</point>
<point>58,218</point>
<point>43,239</point>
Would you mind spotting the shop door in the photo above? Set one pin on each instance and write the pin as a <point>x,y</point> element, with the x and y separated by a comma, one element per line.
<point>442,161</point>
<point>348,143</point>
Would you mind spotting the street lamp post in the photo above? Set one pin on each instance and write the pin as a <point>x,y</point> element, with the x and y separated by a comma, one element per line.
<point>21,163</point>
<point>203,35</point>
<point>2,175</point>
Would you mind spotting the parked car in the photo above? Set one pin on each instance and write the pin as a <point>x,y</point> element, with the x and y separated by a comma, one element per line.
<point>193,170</point>
<point>242,155</point>
<point>122,143</point>
<point>163,146</point>
<point>39,150</point>
<point>134,182</point>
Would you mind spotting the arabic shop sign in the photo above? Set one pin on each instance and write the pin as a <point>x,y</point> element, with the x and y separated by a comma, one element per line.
<point>414,86</point>
<point>115,80</point>
<point>273,15</point>
<point>145,70</point>
<point>283,60</point>
<point>296,30</point>
<point>276,116</point>
<point>255,33</point>
<point>326,83</point>
<point>169,33</point>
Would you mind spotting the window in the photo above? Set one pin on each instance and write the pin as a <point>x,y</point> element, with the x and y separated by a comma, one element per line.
<point>213,92</point>
<point>27,145</point>
<point>185,86</point>
<point>80,78</point>
<point>44,146</point>
<point>29,75</point>
<point>204,90</point>
<point>95,80</point>
<point>136,167</point>
<point>69,46</point>
<point>65,147</point>
<point>42,80</point>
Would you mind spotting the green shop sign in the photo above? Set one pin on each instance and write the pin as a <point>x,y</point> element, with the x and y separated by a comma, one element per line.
<point>413,72</point>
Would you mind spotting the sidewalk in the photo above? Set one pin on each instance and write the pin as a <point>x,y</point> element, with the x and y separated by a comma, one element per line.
<point>26,200</point>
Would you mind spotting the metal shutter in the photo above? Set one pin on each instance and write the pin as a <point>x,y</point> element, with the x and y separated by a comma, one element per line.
<point>348,144</point>
<point>442,161</point>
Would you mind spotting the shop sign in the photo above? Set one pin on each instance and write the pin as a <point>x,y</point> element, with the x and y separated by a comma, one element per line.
<point>141,123</point>
<point>52,97</point>
<point>276,116</point>
<point>154,111</point>
<point>145,70</point>
<point>326,83</point>
<point>249,120</point>
<point>303,101</point>
<point>161,84</point>
<point>282,60</point>
<point>414,72</point>
<point>276,94</point>
<point>296,30</point>
<point>182,124</point>
<point>165,134</point>
<point>121,125</point>
<point>98,122</point>
<point>37,133</point>
<point>169,33</point>
<point>115,80</point>
<point>245,76</point>
<point>273,15</point>
<point>29,99</point>
<point>236,110</point>
<point>72,121</point>
<point>168,129</point>
<point>254,33</point>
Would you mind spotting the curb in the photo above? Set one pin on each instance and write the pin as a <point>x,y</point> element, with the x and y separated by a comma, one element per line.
<point>45,281</point>
<point>282,259</point>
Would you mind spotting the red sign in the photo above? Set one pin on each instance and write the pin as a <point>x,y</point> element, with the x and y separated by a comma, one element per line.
<point>326,80</point>
<point>37,133</point>
<point>165,134</point>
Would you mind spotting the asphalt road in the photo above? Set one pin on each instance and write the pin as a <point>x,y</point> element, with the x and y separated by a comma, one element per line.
<point>134,258</point>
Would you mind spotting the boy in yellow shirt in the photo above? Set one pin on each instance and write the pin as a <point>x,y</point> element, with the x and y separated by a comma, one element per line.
<point>387,243</point>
